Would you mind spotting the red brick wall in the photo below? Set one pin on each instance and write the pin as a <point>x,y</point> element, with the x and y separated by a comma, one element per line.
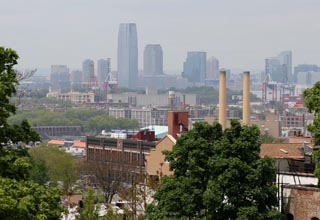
<point>302,202</point>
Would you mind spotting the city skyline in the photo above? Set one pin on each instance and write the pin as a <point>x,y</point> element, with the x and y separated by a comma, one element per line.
<point>240,34</point>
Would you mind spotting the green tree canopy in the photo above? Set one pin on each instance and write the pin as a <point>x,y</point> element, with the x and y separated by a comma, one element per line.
<point>60,165</point>
<point>217,175</point>
<point>312,97</point>
<point>20,198</point>
<point>93,121</point>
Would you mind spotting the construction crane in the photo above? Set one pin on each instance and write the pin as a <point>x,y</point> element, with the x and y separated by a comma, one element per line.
<point>110,85</point>
<point>269,84</point>
<point>287,87</point>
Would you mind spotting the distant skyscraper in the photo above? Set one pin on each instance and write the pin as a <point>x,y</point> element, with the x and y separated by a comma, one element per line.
<point>76,76</point>
<point>60,78</point>
<point>87,69</point>
<point>153,60</point>
<point>76,79</point>
<point>280,67</point>
<point>127,55</point>
<point>212,68</point>
<point>103,69</point>
<point>305,68</point>
<point>194,68</point>
<point>285,58</point>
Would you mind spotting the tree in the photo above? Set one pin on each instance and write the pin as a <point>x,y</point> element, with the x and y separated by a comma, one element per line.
<point>20,198</point>
<point>312,97</point>
<point>217,175</point>
<point>267,139</point>
<point>89,211</point>
<point>105,176</point>
<point>60,165</point>
<point>27,200</point>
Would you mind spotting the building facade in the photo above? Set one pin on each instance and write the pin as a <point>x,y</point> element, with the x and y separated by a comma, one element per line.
<point>305,68</point>
<point>103,70</point>
<point>280,67</point>
<point>74,97</point>
<point>212,68</point>
<point>127,55</point>
<point>60,78</point>
<point>87,70</point>
<point>153,60</point>
<point>195,67</point>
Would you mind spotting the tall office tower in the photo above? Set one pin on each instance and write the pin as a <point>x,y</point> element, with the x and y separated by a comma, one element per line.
<point>87,70</point>
<point>304,68</point>
<point>285,58</point>
<point>195,68</point>
<point>103,69</point>
<point>212,68</point>
<point>60,78</point>
<point>152,60</point>
<point>127,55</point>
<point>76,79</point>
<point>280,67</point>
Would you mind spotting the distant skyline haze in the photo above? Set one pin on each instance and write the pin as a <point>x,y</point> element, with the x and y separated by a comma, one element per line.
<point>241,34</point>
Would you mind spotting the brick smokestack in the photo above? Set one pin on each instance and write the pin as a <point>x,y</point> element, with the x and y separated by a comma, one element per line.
<point>246,98</point>
<point>222,99</point>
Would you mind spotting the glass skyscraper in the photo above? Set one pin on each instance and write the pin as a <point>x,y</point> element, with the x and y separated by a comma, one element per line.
<point>280,67</point>
<point>153,60</point>
<point>127,55</point>
<point>103,69</point>
<point>194,68</point>
<point>87,70</point>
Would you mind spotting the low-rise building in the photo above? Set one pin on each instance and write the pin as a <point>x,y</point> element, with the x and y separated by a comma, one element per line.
<point>74,97</point>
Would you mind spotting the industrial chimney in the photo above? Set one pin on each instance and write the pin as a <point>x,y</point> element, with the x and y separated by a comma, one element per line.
<point>222,99</point>
<point>246,98</point>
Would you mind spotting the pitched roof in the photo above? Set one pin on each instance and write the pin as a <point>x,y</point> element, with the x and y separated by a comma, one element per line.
<point>283,150</point>
<point>79,144</point>
<point>56,142</point>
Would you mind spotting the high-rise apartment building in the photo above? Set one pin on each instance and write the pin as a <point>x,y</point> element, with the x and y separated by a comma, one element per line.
<point>60,78</point>
<point>127,55</point>
<point>285,58</point>
<point>87,70</point>
<point>194,68</point>
<point>212,68</point>
<point>280,67</point>
<point>152,60</point>
<point>103,69</point>
<point>305,68</point>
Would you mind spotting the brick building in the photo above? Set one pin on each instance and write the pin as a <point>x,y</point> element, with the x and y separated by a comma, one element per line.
<point>301,202</point>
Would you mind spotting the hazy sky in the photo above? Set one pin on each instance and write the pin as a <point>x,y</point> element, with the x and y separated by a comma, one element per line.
<point>240,33</point>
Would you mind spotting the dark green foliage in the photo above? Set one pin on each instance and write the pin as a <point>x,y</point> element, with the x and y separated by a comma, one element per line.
<point>312,97</point>
<point>89,211</point>
<point>28,201</point>
<point>20,198</point>
<point>39,172</point>
<point>14,163</point>
<point>217,175</point>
